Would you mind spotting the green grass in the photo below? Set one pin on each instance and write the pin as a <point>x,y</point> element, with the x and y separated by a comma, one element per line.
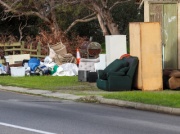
<point>42,82</point>
<point>164,98</point>
<point>71,84</point>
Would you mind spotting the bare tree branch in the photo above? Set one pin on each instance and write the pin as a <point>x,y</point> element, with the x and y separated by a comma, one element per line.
<point>20,13</point>
<point>100,7</point>
<point>15,2</point>
<point>89,16</point>
<point>117,3</point>
<point>102,25</point>
<point>45,9</point>
<point>77,21</point>
<point>21,27</point>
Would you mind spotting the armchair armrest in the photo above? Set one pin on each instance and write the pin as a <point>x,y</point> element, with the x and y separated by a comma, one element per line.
<point>101,74</point>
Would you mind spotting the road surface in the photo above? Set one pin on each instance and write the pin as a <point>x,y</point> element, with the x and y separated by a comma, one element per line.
<point>27,114</point>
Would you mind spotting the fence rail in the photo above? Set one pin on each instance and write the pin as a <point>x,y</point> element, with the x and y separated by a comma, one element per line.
<point>19,48</point>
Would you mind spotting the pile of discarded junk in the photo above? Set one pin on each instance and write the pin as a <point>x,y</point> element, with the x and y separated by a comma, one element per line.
<point>58,63</point>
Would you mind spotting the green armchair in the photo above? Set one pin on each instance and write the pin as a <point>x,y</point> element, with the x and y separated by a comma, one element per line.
<point>119,75</point>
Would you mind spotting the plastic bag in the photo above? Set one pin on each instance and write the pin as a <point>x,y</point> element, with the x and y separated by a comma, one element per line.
<point>33,63</point>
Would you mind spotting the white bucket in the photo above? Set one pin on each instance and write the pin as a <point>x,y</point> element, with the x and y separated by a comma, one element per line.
<point>17,71</point>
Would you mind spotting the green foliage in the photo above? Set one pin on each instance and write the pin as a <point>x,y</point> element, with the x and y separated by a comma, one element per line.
<point>68,14</point>
<point>122,14</point>
<point>103,47</point>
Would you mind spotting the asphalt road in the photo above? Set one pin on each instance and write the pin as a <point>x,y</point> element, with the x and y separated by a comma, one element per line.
<point>26,114</point>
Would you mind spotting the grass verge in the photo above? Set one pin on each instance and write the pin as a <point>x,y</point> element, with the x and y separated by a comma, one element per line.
<point>52,83</point>
<point>163,98</point>
<point>71,85</point>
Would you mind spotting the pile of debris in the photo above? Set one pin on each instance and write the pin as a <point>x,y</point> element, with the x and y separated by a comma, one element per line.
<point>57,63</point>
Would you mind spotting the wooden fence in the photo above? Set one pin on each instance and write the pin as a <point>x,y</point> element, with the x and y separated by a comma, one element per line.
<point>19,48</point>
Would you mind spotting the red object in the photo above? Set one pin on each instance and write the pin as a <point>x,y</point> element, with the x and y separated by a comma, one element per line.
<point>125,55</point>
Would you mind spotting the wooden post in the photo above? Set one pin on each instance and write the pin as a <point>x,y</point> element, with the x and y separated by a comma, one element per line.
<point>39,48</point>
<point>146,11</point>
<point>22,47</point>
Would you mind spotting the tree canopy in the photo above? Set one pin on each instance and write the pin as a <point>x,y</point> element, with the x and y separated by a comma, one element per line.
<point>84,17</point>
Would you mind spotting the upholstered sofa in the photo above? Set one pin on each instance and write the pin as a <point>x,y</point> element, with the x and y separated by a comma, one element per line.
<point>118,75</point>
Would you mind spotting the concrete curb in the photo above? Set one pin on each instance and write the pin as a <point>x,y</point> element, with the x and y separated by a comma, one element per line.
<point>140,106</point>
<point>99,99</point>
<point>41,92</point>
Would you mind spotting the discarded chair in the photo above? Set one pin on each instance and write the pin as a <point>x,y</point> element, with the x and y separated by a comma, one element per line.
<point>118,75</point>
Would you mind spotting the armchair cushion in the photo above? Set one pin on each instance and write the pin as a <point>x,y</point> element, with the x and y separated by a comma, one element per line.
<point>116,65</point>
<point>124,69</point>
<point>120,72</point>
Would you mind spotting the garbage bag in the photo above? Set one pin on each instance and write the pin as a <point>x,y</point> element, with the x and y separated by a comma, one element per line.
<point>47,60</point>
<point>67,69</point>
<point>33,63</point>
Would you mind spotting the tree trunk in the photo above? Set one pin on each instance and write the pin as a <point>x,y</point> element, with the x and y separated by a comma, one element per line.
<point>103,27</point>
<point>54,25</point>
<point>105,19</point>
<point>112,26</point>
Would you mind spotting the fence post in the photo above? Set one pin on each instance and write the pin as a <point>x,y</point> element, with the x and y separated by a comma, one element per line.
<point>6,53</point>
<point>39,48</point>
<point>13,48</point>
<point>22,47</point>
<point>30,49</point>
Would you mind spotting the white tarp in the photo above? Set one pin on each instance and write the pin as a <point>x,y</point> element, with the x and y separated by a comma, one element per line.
<point>67,69</point>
